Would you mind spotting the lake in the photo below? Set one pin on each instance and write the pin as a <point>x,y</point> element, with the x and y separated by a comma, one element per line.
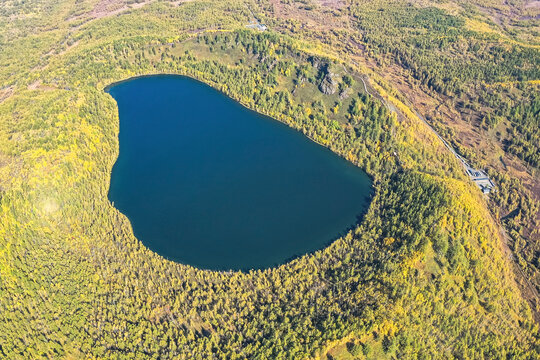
<point>206,182</point>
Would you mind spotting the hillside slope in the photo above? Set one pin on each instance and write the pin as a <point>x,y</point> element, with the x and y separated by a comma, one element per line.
<point>424,275</point>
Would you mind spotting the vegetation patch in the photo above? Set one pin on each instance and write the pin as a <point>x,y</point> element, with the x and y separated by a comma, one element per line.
<point>423,275</point>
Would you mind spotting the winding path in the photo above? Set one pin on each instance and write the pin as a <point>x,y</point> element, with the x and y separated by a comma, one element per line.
<point>480,179</point>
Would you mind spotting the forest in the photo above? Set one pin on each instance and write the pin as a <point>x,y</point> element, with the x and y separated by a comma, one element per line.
<point>470,68</point>
<point>424,275</point>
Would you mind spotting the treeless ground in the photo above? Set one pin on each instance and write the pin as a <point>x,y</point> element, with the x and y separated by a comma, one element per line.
<point>533,4</point>
<point>322,15</point>
<point>37,85</point>
<point>106,8</point>
<point>5,93</point>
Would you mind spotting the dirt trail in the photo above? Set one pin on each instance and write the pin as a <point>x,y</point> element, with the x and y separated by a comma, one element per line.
<point>5,93</point>
<point>37,85</point>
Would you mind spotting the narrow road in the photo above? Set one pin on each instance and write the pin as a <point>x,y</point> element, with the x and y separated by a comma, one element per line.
<point>479,180</point>
<point>479,177</point>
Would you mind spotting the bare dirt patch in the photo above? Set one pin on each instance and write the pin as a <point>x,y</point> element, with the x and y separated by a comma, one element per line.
<point>334,4</point>
<point>37,85</point>
<point>106,8</point>
<point>5,93</point>
<point>324,16</point>
<point>112,7</point>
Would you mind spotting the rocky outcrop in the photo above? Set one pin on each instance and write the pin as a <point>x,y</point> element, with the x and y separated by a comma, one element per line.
<point>328,84</point>
<point>344,93</point>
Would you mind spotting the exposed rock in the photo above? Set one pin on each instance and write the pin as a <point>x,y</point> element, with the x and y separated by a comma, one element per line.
<point>344,94</point>
<point>315,62</point>
<point>328,85</point>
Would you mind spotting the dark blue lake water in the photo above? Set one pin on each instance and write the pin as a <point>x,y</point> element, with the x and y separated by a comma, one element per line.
<point>207,182</point>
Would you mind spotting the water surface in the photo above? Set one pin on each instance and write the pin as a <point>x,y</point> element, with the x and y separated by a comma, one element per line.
<point>207,182</point>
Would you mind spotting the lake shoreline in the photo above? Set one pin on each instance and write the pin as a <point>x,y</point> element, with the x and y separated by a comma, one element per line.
<point>247,138</point>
